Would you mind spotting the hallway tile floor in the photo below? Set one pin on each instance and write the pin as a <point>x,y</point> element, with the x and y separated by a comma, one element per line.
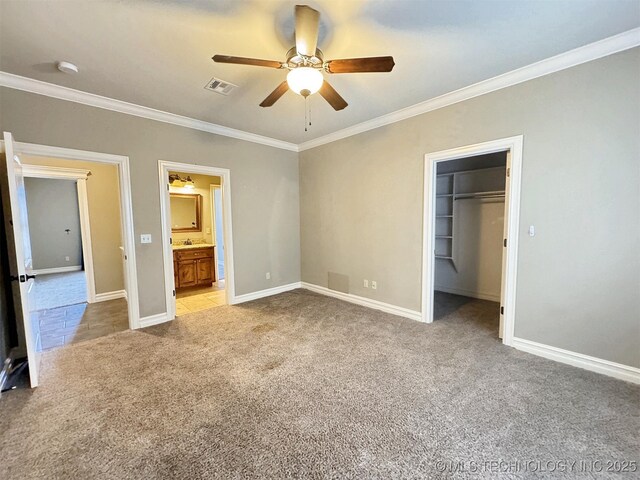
<point>75,323</point>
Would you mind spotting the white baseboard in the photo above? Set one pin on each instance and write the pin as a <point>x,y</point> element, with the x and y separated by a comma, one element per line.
<point>104,297</point>
<point>153,320</point>
<point>365,302</point>
<point>247,297</point>
<point>48,271</point>
<point>468,293</point>
<point>598,365</point>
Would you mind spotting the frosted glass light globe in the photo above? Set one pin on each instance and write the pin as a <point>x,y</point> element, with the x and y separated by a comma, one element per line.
<point>305,81</point>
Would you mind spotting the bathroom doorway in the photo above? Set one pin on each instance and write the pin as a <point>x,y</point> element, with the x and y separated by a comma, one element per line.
<point>196,233</point>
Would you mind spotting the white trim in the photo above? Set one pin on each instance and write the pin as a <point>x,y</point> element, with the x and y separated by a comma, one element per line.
<point>45,171</point>
<point>572,58</point>
<point>153,320</point>
<point>227,225</point>
<point>594,364</point>
<point>126,209</point>
<point>247,297</point>
<point>49,271</point>
<point>365,302</point>
<point>468,293</point>
<point>214,232</point>
<point>85,232</point>
<point>26,84</point>
<point>512,219</point>
<point>105,297</point>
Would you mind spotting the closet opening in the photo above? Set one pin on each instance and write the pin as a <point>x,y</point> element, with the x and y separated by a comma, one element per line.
<point>469,232</point>
<point>470,235</point>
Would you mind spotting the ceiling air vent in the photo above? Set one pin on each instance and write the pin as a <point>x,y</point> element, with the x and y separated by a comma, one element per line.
<point>220,86</point>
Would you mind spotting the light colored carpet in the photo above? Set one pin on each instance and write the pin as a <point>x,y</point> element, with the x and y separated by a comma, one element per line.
<point>59,290</point>
<point>303,386</point>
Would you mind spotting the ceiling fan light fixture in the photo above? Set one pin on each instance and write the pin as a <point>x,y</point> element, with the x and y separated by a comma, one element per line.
<point>305,81</point>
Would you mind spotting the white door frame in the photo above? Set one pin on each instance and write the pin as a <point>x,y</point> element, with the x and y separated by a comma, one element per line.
<point>167,252</point>
<point>126,210</point>
<point>214,230</point>
<point>512,214</point>
<point>80,177</point>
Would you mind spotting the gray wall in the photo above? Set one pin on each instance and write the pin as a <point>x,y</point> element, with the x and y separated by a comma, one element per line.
<point>264,182</point>
<point>53,208</point>
<point>103,201</point>
<point>578,278</point>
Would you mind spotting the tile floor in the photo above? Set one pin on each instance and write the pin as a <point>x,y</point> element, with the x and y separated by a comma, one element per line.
<point>59,289</point>
<point>197,299</point>
<point>75,323</point>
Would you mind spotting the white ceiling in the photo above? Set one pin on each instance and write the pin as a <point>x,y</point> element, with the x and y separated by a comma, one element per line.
<point>157,53</point>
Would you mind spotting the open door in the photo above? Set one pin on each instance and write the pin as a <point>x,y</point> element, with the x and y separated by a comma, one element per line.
<point>14,205</point>
<point>503,284</point>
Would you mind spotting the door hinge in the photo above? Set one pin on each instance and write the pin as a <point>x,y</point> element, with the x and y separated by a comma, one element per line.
<point>167,187</point>
<point>501,310</point>
<point>509,172</point>
<point>505,242</point>
<point>174,292</point>
<point>170,241</point>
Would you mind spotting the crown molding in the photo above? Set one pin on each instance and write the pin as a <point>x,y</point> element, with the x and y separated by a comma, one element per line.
<point>26,84</point>
<point>572,58</point>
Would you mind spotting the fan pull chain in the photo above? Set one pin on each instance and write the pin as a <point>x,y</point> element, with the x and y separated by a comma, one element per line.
<point>306,99</point>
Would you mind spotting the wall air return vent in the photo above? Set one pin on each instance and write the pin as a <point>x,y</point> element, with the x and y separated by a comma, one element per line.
<point>220,86</point>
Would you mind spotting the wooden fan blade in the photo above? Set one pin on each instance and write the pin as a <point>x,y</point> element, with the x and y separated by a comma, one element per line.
<point>361,65</point>
<point>246,61</point>
<point>307,23</point>
<point>275,95</point>
<point>331,96</point>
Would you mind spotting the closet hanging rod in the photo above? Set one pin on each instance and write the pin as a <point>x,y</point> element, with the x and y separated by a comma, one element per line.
<point>461,196</point>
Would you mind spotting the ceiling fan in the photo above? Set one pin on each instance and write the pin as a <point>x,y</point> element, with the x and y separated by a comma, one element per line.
<point>306,63</point>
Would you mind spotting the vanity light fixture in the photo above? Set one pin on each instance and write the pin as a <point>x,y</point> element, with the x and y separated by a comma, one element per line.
<point>175,180</point>
<point>189,184</point>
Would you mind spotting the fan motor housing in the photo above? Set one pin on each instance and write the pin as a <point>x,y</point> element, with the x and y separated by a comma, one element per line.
<point>294,60</point>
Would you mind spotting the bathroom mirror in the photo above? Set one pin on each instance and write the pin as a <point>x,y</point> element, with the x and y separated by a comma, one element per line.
<point>186,211</point>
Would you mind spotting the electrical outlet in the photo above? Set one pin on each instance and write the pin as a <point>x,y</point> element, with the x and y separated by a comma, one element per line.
<point>145,238</point>
<point>366,283</point>
<point>374,284</point>
<point>268,275</point>
<point>66,258</point>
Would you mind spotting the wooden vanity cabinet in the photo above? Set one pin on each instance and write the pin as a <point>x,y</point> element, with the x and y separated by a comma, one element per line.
<point>193,267</point>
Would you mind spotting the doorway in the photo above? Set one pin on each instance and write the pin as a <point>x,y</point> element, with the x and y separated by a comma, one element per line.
<point>458,194</point>
<point>19,243</point>
<point>197,237</point>
<point>78,288</point>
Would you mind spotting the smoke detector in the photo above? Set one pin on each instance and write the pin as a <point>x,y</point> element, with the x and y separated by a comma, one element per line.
<point>67,67</point>
<point>220,86</point>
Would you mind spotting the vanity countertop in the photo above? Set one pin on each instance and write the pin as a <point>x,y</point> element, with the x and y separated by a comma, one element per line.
<point>195,245</point>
